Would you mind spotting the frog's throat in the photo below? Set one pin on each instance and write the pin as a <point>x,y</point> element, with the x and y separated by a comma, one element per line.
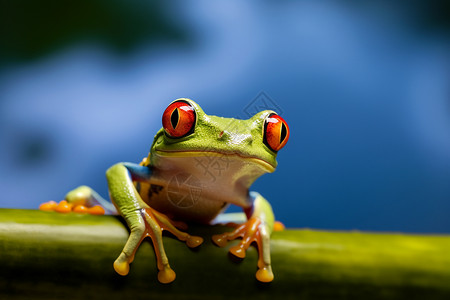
<point>198,153</point>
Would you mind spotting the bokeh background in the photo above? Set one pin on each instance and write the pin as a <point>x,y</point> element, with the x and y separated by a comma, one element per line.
<point>364,87</point>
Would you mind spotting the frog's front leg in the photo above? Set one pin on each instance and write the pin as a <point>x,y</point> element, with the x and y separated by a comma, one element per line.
<point>257,229</point>
<point>142,220</point>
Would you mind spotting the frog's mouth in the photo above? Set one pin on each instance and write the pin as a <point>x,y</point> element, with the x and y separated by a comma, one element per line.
<point>256,160</point>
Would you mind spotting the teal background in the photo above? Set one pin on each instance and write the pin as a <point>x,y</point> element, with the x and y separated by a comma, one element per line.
<point>364,87</point>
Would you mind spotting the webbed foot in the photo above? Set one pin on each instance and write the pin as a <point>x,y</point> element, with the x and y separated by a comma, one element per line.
<point>151,223</point>
<point>83,199</point>
<point>254,230</point>
<point>66,207</point>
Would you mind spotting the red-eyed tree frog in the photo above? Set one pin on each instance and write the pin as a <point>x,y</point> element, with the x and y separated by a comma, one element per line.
<point>198,164</point>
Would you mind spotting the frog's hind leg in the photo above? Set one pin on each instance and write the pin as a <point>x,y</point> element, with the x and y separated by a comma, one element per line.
<point>87,197</point>
<point>83,199</point>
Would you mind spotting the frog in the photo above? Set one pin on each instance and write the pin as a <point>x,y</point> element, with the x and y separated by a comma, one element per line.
<point>176,183</point>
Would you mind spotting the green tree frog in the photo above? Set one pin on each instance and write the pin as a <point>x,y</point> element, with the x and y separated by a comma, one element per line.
<point>198,164</point>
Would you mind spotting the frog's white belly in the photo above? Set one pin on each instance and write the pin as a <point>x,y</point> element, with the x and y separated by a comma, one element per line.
<point>199,187</point>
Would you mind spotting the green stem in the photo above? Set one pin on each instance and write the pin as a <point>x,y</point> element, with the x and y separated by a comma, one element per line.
<point>46,255</point>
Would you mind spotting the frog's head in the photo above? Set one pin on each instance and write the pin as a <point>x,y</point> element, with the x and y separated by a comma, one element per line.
<point>189,132</point>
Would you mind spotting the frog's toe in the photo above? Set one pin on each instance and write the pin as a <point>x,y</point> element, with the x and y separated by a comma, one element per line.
<point>122,265</point>
<point>63,207</point>
<point>48,206</point>
<point>238,250</point>
<point>166,275</point>
<point>252,231</point>
<point>264,274</point>
<point>96,210</point>
<point>194,241</point>
<point>81,209</point>
<point>220,239</point>
<point>278,226</point>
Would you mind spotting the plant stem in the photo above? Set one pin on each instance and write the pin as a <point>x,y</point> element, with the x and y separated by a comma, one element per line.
<point>46,255</point>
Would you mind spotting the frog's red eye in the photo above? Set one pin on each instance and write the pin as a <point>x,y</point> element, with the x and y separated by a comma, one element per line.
<point>276,132</point>
<point>179,119</point>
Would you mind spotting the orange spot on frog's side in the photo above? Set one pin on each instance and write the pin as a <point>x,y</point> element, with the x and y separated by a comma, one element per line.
<point>48,206</point>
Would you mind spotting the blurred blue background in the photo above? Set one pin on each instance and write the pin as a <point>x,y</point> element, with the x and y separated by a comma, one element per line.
<point>364,88</point>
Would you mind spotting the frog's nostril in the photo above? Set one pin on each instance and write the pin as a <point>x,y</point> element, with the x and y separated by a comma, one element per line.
<point>221,134</point>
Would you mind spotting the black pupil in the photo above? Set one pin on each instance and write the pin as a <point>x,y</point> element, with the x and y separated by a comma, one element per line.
<point>283,132</point>
<point>174,118</point>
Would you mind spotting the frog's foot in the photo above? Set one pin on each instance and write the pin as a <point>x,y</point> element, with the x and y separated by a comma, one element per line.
<point>83,199</point>
<point>254,230</point>
<point>66,207</point>
<point>151,223</point>
<point>172,227</point>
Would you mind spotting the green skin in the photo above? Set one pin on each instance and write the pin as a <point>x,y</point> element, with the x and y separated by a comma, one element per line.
<point>194,178</point>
